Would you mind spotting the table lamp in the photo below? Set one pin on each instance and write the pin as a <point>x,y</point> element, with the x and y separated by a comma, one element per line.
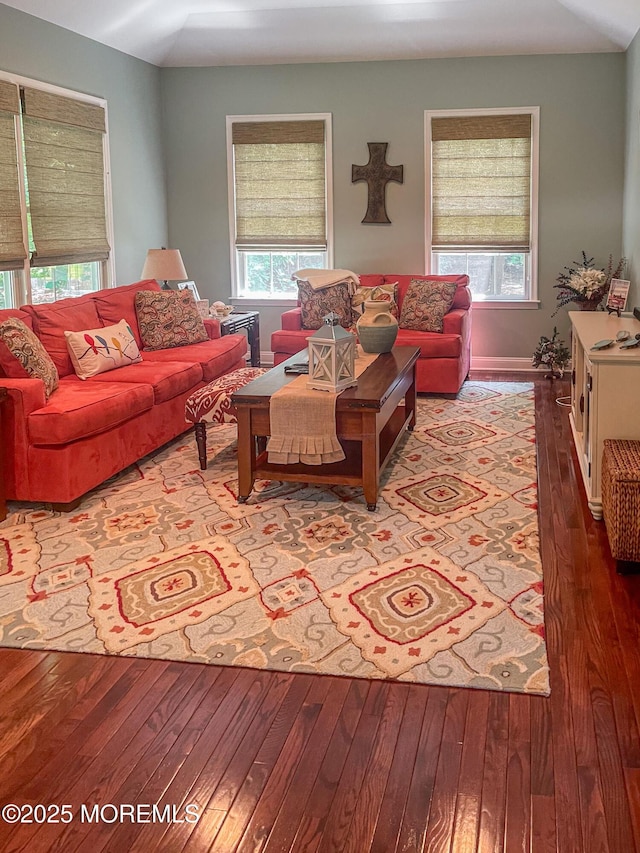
<point>164,265</point>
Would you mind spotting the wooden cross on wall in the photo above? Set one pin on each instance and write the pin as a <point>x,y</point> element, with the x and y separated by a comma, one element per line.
<point>377,173</point>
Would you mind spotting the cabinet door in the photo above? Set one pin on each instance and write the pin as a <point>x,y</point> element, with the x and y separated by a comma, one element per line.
<point>588,416</point>
<point>577,383</point>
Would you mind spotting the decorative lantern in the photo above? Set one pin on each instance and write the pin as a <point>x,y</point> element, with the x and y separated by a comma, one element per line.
<point>332,352</point>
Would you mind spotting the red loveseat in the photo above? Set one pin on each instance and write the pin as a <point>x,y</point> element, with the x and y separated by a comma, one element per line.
<point>445,357</point>
<point>55,450</point>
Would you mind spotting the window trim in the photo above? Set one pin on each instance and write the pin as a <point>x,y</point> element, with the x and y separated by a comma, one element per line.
<point>22,277</point>
<point>236,297</point>
<point>530,298</point>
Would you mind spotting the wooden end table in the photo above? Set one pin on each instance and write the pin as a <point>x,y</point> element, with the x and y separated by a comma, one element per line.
<point>371,419</point>
<point>250,321</point>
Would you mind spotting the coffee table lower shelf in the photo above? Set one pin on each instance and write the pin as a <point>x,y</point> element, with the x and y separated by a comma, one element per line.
<point>350,471</point>
<point>346,473</point>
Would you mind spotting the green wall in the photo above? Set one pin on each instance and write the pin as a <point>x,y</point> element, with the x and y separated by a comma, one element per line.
<point>631,231</point>
<point>42,51</point>
<point>582,139</point>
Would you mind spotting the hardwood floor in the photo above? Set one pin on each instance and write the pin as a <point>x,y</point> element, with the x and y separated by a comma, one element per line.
<point>279,762</point>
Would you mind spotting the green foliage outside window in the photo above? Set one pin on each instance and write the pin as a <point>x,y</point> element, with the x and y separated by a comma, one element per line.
<point>48,284</point>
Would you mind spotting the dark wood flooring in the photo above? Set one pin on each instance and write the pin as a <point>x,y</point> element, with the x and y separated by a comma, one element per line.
<point>280,762</point>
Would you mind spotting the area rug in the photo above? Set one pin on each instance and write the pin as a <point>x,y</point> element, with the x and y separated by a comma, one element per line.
<point>441,585</point>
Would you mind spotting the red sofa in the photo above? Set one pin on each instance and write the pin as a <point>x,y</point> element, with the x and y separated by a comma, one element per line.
<point>445,357</point>
<point>55,450</point>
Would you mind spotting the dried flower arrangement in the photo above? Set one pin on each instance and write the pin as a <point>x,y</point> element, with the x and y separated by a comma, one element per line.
<point>586,284</point>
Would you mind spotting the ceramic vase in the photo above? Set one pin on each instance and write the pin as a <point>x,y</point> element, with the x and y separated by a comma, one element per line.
<point>377,328</point>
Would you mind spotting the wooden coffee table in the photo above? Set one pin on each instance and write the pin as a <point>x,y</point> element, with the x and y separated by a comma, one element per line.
<point>371,419</point>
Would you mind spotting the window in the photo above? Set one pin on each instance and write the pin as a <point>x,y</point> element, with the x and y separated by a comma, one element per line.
<point>482,168</point>
<point>279,192</point>
<point>53,193</point>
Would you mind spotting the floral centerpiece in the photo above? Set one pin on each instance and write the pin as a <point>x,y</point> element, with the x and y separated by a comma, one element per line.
<point>553,354</point>
<point>586,284</point>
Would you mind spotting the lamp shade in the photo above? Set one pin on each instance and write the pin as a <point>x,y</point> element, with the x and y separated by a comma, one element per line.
<point>164,265</point>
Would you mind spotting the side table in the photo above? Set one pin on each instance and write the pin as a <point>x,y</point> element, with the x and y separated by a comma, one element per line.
<point>249,320</point>
<point>3,493</point>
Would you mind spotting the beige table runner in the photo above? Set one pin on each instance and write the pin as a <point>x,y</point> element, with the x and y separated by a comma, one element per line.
<point>303,421</point>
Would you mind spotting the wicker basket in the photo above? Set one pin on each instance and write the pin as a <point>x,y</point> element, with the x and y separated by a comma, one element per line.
<point>621,497</point>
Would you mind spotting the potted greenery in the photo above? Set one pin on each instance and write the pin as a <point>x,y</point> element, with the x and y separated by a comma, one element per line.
<point>553,354</point>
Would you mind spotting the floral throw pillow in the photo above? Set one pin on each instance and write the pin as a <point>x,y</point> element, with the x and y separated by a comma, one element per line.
<point>98,350</point>
<point>316,304</point>
<point>379,293</point>
<point>168,318</point>
<point>22,355</point>
<point>426,302</point>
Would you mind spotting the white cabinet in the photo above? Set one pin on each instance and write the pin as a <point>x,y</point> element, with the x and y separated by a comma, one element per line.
<point>605,393</point>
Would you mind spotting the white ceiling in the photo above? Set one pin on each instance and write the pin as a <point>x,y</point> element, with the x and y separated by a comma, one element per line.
<point>254,32</point>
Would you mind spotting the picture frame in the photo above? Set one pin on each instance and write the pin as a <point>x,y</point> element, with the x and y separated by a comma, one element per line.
<point>617,296</point>
<point>189,285</point>
<point>203,307</point>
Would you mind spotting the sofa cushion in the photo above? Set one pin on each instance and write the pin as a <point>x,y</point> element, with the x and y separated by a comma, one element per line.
<point>371,280</point>
<point>426,303</point>
<point>117,303</point>
<point>168,319</point>
<point>316,304</point>
<point>100,350</point>
<point>5,313</point>
<point>167,378</point>
<point>215,357</point>
<point>79,409</point>
<point>431,344</point>
<point>51,321</point>
<point>290,342</point>
<point>22,355</point>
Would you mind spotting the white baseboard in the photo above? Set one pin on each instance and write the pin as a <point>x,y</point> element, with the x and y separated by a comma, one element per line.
<point>489,363</point>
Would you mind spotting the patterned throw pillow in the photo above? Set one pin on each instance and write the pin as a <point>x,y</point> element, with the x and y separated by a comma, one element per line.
<point>168,318</point>
<point>380,293</point>
<point>98,350</point>
<point>24,356</point>
<point>425,304</point>
<point>316,304</point>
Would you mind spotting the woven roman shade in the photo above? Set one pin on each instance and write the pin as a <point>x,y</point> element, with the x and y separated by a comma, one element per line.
<point>63,141</point>
<point>12,248</point>
<point>280,188</point>
<point>481,182</point>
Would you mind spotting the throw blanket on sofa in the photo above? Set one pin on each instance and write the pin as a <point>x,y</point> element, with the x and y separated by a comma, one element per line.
<point>303,421</point>
<point>321,279</point>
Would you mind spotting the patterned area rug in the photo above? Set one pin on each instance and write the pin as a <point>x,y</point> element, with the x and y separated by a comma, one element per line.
<point>441,585</point>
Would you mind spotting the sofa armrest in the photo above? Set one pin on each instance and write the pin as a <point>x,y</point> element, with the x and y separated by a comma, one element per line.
<point>212,325</point>
<point>453,322</point>
<point>24,397</point>
<point>291,321</point>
